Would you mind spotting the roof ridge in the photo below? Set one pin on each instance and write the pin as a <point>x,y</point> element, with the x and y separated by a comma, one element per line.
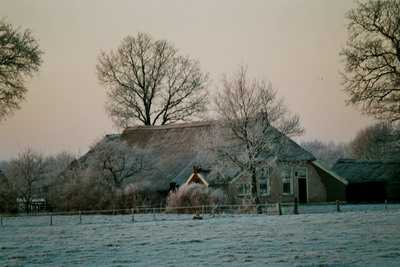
<point>170,126</point>
<point>367,161</point>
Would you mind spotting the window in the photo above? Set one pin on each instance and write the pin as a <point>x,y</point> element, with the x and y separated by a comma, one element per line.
<point>264,189</point>
<point>287,181</point>
<point>244,189</point>
<point>264,182</point>
<point>300,172</point>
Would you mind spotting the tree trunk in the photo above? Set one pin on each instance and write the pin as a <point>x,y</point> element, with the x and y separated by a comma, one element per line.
<point>27,205</point>
<point>254,190</point>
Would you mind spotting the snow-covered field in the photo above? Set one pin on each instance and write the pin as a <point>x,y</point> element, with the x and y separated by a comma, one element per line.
<point>353,238</point>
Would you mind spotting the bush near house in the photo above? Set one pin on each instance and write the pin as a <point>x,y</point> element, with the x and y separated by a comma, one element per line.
<point>193,195</point>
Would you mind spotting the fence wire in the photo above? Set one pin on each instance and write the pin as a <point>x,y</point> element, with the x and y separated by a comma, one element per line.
<point>159,214</point>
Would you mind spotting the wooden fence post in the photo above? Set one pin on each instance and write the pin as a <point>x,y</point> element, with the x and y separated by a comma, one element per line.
<point>80,217</point>
<point>337,206</point>
<point>296,206</point>
<point>279,208</point>
<point>51,219</point>
<point>385,204</point>
<point>154,214</point>
<point>133,215</point>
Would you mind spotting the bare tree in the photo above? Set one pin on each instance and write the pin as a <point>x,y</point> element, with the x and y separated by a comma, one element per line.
<point>55,164</point>
<point>329,152</point>
<point>115,161</point>
<point>256,120</point>
<point>20,57</point>
<point>24,173</point>
<point>372,57</point>
<point>149,83</point>
<point>53,181</point>
<point>380,141</point>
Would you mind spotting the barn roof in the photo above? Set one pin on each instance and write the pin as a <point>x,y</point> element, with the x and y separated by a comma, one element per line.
<point>320,165</point>
<point>358,171</point>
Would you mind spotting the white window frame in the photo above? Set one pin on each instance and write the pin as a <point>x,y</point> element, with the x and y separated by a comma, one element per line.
<point>287,170</point>
<point>248,193</point>
<point>265,174</point>
<point>304,168</point>
<point>297,178</point>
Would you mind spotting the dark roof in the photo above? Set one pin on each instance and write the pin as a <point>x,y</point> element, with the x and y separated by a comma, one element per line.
<point>321,166</point>
<point>358,171</point>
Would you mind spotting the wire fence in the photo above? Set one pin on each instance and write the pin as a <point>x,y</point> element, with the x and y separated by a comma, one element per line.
<point>159,214</point>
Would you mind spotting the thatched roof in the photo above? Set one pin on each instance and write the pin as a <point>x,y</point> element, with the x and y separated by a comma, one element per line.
<point>182,146</point>
<point>175,149</point>
<point>358,171</point>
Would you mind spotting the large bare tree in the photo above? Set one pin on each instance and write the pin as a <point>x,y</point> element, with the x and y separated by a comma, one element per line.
<point>148,82</point>
<point>20,57</point>
<point>256,120</point>
<point>372,58</point>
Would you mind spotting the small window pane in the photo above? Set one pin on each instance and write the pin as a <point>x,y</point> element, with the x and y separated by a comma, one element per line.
<point>287,181</point>
<point>301,172</point>
<point>286,188</point>
<point>286,173</point>
<point>264,188</point>
<point>244,189</point>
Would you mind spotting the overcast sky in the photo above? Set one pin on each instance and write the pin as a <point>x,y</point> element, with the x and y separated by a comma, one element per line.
<point>293,44</point>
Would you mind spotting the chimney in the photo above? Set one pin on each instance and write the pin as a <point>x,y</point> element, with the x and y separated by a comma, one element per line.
<point>196,169</point>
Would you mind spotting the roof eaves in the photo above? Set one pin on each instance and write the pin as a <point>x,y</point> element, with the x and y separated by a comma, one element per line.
<point>319,165</point>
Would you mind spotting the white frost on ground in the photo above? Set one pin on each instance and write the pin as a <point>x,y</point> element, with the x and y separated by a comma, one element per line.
<point>362,238</point>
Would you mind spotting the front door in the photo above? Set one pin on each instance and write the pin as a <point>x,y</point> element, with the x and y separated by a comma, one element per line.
<point>302,182</point>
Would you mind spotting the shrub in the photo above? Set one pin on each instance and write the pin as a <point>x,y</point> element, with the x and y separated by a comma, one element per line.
<point>194,195</point>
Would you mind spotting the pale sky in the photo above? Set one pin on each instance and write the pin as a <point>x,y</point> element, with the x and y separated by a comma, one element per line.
<point>293,44</point>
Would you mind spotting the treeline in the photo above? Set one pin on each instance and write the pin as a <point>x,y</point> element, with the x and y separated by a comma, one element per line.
<point>380,141</point>
<point>95,181</point>
<point>29,175</point>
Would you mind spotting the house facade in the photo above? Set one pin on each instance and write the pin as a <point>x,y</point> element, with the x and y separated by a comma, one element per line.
<point>307,181</point>
<point>176,149</point>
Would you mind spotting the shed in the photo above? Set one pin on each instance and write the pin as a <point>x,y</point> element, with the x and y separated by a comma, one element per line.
<point>370,180</point>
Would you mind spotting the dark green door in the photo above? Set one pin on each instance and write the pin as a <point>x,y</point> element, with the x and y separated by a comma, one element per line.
<point>302,182</point>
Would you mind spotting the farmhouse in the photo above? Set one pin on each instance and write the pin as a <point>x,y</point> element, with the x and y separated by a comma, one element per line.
<point>179,156</point>
<point>370,180</point>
